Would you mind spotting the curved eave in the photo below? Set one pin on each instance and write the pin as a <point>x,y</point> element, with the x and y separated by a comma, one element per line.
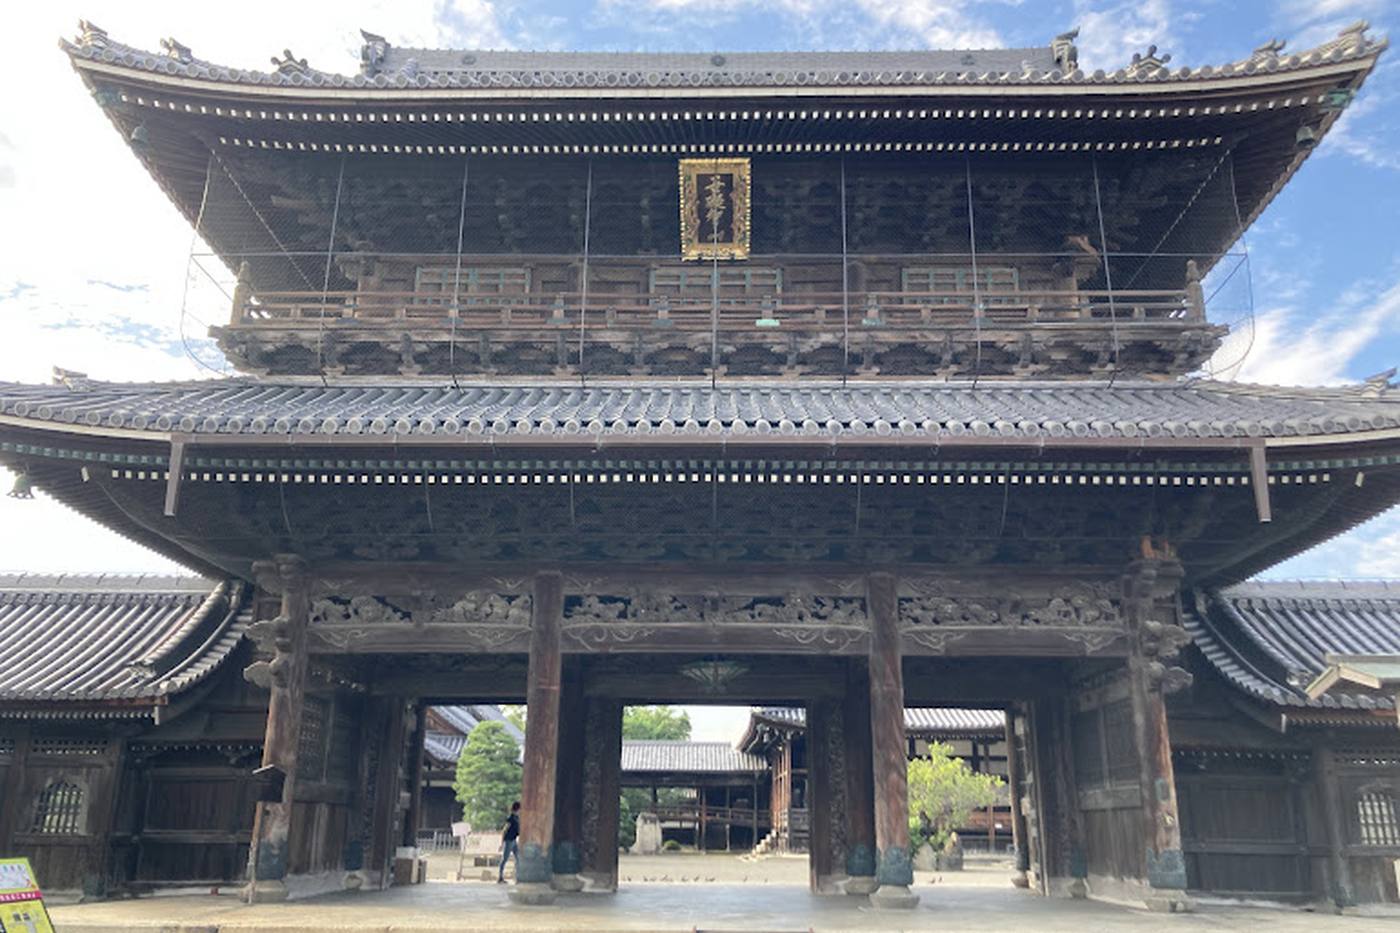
<point>1163,85</point>
<point>1295,445</point>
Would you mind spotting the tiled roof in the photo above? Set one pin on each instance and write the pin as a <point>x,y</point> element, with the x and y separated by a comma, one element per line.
<point>868,410</point>
<point>444,745</point>
<point>931,721</point>
<point>687,757</point>
<point>387,68</point>
<point>86,638</point>
<point>1270,639</point>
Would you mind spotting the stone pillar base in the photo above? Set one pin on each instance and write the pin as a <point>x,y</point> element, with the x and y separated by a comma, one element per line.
<point>861,885</point>
<point>569,884</point>
<point>1078,889</point>
<point>532,894</point>
<point>268,891</point>
<point>1020,880</point>
<point>894,897</point>
<point>1169,902</point>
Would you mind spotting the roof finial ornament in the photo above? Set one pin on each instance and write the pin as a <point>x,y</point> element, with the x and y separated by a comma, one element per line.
<point>92,36</point>
<point>177,50</point>
<point>1065,52</point>
<point>289,64</point>
<point>1378,385</point>
<point>1353,38</point>
<point>372,53</point>
<point>1147,64</point>
<point>1268,52</point>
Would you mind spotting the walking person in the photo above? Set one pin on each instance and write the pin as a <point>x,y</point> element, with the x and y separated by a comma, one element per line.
<point>510,842</point>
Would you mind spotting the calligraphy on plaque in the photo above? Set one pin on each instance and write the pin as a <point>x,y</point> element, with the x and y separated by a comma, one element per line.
<point>714,208</point>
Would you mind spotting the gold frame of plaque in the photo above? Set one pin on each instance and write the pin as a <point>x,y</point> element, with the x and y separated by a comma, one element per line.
<point>709,186</point>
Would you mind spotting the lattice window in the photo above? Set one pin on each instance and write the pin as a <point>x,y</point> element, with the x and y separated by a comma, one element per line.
<point>1120,747</point>
<point>953,285</point>
<point>311,745</point>
<point>1089,770</point>
<point>7,747</point>
<point>59,811</point>
<point>60,746</point>
<point>435,284</point>
<point>1377,815</point>
<point>734,281</point>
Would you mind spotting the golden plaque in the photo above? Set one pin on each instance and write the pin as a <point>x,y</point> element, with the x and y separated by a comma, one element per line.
<point>714,208</point>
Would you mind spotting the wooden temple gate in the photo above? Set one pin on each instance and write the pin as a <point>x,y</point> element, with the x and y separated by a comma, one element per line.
<point>1080,660</point>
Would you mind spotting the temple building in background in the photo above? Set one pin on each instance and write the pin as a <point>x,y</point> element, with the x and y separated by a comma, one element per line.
<point>854,382</point>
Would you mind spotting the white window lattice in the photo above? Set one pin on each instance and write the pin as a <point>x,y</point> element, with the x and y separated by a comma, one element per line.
<point>62,746</point>
<point>1377,816</point>
<point>59,810</point>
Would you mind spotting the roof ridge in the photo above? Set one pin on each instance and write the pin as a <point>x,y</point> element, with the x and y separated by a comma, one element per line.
<point>104,582</point>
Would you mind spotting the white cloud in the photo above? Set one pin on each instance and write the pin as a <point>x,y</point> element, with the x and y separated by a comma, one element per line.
<point>1110,33</point>
<point>937,24</point>
<point>1293,346</point>
<point>45,536</point>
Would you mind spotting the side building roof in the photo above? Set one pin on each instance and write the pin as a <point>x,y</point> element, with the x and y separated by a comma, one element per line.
<point>1271,639</point>
<point>687,757</point>
<point>922,722</point>
<point>111,645</point>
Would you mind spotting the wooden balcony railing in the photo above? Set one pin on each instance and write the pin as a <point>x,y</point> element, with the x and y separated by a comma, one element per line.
<point>814,312</point>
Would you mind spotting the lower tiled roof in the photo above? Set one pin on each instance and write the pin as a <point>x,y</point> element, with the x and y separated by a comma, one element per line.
<point>97,638</point>
<point>920,721</point>
<point>1271,639</point>
<point>869,410</point>
<point>655,756</point>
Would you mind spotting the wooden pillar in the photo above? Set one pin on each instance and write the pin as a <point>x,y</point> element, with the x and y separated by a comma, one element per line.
<point>284,676</point>
<point>414,817</point>
<point>894,870</point>
<point>568,805</point>
<point>860,786</point>
<point>755,813</point>
<point>826,795</point>
<point>602,780</point>
<point>533,880</point>
<point>704,820</point>
<point>1166,865</point>
<point>1150,590</point>
<point>1019,841</point>
<point>1329,793</point>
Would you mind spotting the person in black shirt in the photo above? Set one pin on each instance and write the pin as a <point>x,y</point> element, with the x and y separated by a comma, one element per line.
<point>510,842</point>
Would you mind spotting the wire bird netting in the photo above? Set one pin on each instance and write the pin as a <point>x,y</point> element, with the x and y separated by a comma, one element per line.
<point>588,244</point>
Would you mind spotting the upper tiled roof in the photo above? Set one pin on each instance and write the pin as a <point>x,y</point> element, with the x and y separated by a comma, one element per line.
<point>927,721</point>
<point>650,756</point>
<point>384,67</point>
<point>87,638</point>
<point>1271,639</point>
<point>572,414</point>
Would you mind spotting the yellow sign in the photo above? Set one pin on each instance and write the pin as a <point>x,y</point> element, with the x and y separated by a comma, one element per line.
<point>715,208</point>
<point>21,905</point>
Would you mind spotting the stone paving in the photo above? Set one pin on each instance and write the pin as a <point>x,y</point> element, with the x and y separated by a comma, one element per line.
<point>979,900</point>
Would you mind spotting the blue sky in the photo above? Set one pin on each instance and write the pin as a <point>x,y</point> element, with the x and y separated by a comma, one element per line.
<point>94,263</point>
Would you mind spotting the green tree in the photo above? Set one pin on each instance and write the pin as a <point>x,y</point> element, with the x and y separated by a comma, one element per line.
<point>943,792</point>
<point>488,776</point>
<point>515,715</point>
<point>655,722</point>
